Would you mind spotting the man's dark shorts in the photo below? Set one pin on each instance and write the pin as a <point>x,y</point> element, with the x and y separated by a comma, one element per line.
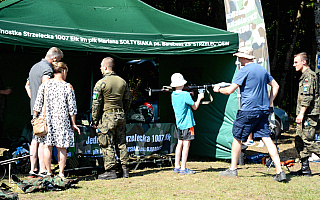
<point>255,122</point>
<point>186,134</point>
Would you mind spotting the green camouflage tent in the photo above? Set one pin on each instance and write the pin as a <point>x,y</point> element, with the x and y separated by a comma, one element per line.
<point>201,53</point>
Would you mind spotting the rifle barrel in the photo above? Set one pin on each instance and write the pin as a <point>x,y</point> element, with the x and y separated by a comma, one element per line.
<point>157,90</point>
<point>188,88</point>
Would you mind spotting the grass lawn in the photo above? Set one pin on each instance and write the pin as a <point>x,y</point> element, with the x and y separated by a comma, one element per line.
<point>254,182</point>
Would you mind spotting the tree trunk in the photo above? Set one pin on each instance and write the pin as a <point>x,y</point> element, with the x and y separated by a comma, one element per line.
<point>290,50</point>
<point>276,38</point>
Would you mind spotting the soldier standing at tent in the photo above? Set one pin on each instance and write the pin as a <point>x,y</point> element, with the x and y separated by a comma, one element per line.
<point>113,93</point>
<point>308,111</point>
<point>40,73</point>
<point>253,115</point>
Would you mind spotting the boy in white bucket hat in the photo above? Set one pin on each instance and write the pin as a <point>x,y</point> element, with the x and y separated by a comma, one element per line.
<point>182,104</point>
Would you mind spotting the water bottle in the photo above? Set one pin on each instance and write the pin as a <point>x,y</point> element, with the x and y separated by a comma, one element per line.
<point>98,130</point>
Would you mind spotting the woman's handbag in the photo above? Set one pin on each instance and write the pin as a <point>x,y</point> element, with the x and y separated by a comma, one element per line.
<point>39,124</point>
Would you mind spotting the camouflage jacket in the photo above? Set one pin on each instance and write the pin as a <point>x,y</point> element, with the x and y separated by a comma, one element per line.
<point>308,94</point>
<point>6,193</point>
<point>111,91</point>
<point>44,184</point>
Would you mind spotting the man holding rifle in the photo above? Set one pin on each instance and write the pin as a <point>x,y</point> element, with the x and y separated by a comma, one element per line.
<point>253,114</point>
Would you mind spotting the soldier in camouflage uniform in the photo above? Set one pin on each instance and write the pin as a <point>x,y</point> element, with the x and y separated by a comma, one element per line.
<point>307,113</point>
<point>112,92</point>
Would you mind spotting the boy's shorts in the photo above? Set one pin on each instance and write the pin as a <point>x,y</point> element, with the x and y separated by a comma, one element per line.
<point>255,122</point>
<point>186,134</point>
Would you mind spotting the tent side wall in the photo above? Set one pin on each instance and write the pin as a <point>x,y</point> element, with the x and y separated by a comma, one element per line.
<point>214,121</point>
<point>14,70</point>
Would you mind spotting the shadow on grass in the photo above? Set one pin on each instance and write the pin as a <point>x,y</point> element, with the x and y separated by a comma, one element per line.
<point>92,177</point>
<point>146,171</point>
<point>267,174</point>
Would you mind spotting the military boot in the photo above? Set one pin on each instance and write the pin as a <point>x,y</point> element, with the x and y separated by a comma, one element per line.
<point>108,175</point>
<point>305,168</point>
<point>125,171</point>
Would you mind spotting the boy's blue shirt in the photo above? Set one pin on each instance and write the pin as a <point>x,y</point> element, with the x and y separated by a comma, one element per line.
<point>181,103</point>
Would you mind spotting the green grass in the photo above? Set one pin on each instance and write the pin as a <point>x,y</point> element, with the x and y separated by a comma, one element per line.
<point>254,182</point>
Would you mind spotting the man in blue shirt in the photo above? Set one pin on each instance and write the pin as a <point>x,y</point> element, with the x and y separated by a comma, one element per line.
<point>182,104</point>
<point>254,112</point>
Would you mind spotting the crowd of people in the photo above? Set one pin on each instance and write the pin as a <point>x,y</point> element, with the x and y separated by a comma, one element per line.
<point>54,98</point>
<point>252,120</point>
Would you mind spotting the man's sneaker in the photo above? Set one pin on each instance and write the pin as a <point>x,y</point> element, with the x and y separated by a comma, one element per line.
<point>261,144</point>
<point>186,171</point>
<point>281,177</point>
<point>33,174</point>
<point>176,170</point>
<point>250,143</point>
<point>229,172</point>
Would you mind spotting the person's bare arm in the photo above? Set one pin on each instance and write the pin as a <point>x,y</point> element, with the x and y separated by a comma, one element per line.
<point>226,90</point>
<point>27,87</point>
<point>196,104</point>
<point>73,124</point>
<point>45,78</point>
<point>273,92</point>
<point>300,116</point>
<point>5,91</point>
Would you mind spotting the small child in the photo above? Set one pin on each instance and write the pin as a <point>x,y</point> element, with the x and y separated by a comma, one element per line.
<point>182,104</point>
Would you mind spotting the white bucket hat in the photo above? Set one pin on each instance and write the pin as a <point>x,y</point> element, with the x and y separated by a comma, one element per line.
<point>245,52</point>
<point>177,80</point>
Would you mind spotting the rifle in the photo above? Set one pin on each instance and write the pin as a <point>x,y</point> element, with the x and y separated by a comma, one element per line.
<point>200,88</point>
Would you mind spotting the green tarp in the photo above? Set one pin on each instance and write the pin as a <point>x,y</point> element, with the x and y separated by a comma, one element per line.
<point>121,26</point>
<point>202,54</point>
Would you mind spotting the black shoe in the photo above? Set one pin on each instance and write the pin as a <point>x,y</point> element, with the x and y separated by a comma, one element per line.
<point>281,177</point>
<point>108,175</point>
<point>305,169</point>
<point>306,173</point>
<point>125,171</point>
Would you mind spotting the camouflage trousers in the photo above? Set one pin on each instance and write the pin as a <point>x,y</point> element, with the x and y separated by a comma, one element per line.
<point>112,139</point>
<point>305,139</point>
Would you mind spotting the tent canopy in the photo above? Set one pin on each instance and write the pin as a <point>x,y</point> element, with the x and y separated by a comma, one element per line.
<point>121,26</point>
<point>201,53</point>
